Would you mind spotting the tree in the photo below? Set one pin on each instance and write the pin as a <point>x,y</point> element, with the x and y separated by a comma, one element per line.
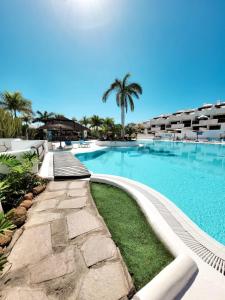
<point>109,123</point>
<point>125,94</point>
<point>74,119</point>
<point>96,122</point>
<point>41,116</point>
<point>27,119</point>
<point>85,121</point>
<point>15,102</point>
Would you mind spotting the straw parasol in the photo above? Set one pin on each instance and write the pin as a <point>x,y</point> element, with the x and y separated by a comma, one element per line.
<point>58,127</point>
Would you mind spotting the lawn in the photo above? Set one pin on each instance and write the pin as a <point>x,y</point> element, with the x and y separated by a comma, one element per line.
<point>144,254</point>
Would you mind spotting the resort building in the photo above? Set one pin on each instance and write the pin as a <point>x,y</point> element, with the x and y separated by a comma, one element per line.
<point>207,120</point>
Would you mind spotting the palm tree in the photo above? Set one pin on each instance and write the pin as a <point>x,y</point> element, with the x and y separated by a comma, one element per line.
<point>15,102</point>
<point>74,119</point>
<point>43,116</point>
<point>85,121</point>
<point>27,119</point>
<point>125,94</point>
<point>96,122</point>
<point>109,122</point>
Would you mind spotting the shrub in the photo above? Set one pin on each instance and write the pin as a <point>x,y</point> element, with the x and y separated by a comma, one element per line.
<point>19,180</point>
<point>9,127</point>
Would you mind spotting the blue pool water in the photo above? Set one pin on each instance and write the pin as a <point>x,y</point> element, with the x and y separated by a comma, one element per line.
<point>190,175</point>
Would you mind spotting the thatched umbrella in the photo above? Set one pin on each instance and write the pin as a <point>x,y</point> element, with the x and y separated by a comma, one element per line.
<point>58,127</point>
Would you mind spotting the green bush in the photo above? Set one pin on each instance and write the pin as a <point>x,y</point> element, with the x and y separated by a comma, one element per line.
<point>19,179</point>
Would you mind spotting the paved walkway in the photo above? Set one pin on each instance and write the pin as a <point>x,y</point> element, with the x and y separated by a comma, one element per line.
<point>65,251</point>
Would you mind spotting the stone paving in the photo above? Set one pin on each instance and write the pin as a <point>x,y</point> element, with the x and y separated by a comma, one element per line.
<point>65,251</point>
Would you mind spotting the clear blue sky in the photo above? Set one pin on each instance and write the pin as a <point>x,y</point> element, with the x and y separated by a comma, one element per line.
<point>63,54</point>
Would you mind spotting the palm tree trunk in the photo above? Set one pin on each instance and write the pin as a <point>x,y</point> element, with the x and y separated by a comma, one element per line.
<point>123,121</point>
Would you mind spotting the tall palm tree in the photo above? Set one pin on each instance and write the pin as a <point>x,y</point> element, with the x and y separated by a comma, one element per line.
<point>85,121</point>
<point>41,116</point>
<point>15,102</point>
<point>125,94</point>
<point>96,122</point>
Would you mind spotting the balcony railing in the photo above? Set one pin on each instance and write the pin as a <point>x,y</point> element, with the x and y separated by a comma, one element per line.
<point>177,126</point>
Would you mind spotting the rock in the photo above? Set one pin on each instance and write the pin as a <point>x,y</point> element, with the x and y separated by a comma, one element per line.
<point>107,282</point>
<point>98,248</point>
<point>28,196</point>
<point>38,189</point>
<point>5,238</point>
<point>17,215</point>
<point>26,204</point>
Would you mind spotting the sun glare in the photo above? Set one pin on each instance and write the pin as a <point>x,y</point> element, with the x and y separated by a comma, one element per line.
<point>85,14</point>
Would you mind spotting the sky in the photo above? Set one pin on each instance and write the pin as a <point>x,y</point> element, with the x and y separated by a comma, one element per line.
<point>63,54</point>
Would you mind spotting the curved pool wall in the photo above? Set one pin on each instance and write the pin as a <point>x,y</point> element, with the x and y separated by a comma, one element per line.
<point>191,175</point>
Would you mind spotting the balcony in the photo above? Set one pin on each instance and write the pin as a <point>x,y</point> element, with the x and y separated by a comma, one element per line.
<point>177,126</point>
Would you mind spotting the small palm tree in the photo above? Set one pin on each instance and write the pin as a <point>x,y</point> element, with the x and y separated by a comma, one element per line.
<point>109,122</point>
<point>125,94</point>
<point>27,119</point>
<point>15,102</point>
<point>41,116</point>
<point>96,122</point>
<point>85,121</point>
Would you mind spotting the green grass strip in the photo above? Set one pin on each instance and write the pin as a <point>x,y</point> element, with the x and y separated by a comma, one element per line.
<point>144,254</point>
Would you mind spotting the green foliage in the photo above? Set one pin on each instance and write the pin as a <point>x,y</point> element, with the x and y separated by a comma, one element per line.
<point>9,127</point>
<point>3,261</point>
<point>5,223</point>
<point>15,102</point>
<point>42,116</point>
<point>19,179</point>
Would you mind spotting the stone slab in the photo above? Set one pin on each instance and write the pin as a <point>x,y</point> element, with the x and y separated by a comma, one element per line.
<point>59,233</point>
<point>57,185</point>
<point>77,185</point>
<point>46,205</point>
<point>32,246</point>
<point>53,266</point>
<point>41,218</point>
<point>98,248</point>
<point>50,195</point>
<point>81,222</point>
<point>20,293</point>
<point>106,283</point>
<point>73,203</point>
<point>77,193</point>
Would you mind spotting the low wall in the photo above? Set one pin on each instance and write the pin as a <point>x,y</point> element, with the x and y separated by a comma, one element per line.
<point>18,148</point>
<point>117,143</point>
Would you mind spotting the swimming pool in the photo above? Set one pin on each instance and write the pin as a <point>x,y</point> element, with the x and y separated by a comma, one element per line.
<point>190,175</point>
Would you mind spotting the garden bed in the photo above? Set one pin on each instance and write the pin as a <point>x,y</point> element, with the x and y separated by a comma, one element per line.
<point>142,251</point>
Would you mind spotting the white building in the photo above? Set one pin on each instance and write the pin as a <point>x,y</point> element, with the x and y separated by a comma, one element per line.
<point>208,121</point>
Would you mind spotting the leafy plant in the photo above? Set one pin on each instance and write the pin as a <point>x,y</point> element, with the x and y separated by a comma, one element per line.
<point>3,261</point>
<point>19,179</point>
<point>5,223</point>
<point>9,127</point>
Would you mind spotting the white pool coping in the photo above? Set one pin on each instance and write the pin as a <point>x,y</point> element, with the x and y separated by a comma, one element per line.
<point>209,283</point>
